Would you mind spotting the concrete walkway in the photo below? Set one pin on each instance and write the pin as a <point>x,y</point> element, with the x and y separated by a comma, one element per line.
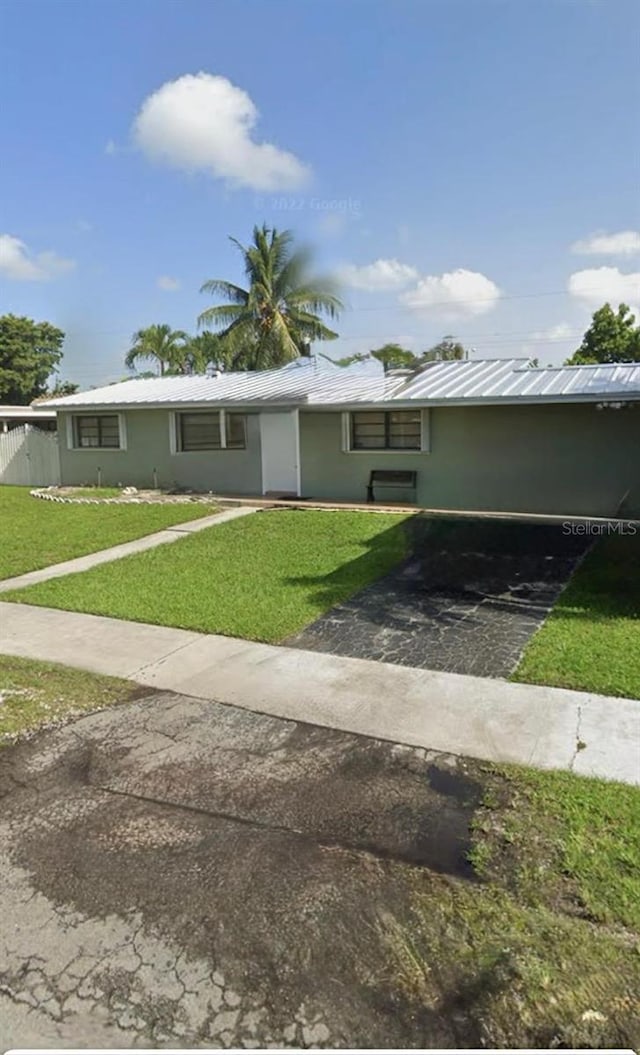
<point>453,713</point>
<point>138,545</point>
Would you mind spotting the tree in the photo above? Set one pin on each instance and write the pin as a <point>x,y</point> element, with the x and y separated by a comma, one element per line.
<point>29,352</point>
<point>348,360</point>
<point>390,356</point>
<point>208,350</point>
<point>276,318</point>
<point>447,349</point>
<point>394,357</point>
<point>162,345</point>
<point>612,337</point>
<point>61,388</point>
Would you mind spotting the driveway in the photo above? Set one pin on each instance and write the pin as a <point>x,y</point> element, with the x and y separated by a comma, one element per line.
<point>183,873</point>
<point>466,601</point>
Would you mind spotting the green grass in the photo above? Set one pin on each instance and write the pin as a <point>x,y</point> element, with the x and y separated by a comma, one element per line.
<point>591,640</point>
<point>545,949</point>
<point>514,976</point>
<point>35,533</point>
<point>564,841</point>
<point>94,492</point>
<point>261,577</point>
<point>33,695</point>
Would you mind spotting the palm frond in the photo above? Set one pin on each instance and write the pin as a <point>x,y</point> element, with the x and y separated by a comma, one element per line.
<point>317,299</point>
<point>221,314</point>
<point>311,327</point>
<point>235,294</point>
<point>275,319</point>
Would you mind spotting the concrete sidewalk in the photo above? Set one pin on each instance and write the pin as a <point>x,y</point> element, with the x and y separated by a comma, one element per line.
<point>457,714</point>
<point>138,545</point>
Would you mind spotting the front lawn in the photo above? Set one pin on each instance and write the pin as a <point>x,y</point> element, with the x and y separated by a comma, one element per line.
<point>261,577</point>
<point>33,694</point>
<point>565,841</point>
<point>543,951</point>
<point>35,533</point>
<point>591,640</point>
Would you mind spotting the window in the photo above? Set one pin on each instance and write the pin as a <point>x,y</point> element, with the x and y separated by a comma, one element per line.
<point>199,432</point>
<point>210,431</point>
<point>97,430</point>
<point>388,430</point>
<point>236,431</point>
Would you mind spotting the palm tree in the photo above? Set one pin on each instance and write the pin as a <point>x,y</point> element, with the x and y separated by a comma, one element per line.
<point>275,320</point>
<point>160,343</point>
<point>208,350</point>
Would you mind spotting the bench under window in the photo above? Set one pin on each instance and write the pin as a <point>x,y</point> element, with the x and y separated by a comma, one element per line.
<point>403,478</point>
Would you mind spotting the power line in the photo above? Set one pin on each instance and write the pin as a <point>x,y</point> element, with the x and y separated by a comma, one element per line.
<point>485,300</point>
<point>397,307</point>
<point>495,340</point>
<point>525,339</point>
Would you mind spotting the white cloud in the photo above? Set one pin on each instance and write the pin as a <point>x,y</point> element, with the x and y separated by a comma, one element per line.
<point>169,284</point>
<point>562,331</point>
<point>454,293</point>
<point>16,262</point>
<point>404,339</point>
<point>594,286</point>
<point>624,243</point>
<point>381,275</point>
<point>110,147</point>
<point>204,123</point>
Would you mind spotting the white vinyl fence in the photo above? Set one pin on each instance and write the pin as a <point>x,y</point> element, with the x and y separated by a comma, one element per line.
<point>29,456</point>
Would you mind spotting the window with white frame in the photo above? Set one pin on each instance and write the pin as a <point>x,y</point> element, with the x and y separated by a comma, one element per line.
<point>210,431</point>
<point>386,430</point>
<point>96,431</point>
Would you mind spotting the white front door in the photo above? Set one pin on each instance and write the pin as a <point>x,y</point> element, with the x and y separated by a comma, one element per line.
<point>279,439</point>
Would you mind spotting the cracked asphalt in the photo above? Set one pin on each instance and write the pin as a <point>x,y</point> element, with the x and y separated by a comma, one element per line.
<point>467,601</point>
<point>182,873</point>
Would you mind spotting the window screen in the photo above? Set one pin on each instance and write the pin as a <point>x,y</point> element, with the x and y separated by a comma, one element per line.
<point>386,430</point>
<point>199,432</point>
<point>97,430</point>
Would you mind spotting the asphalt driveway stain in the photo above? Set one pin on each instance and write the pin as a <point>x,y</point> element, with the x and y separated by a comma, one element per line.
<point>182,872</point>
<point>466,601</point>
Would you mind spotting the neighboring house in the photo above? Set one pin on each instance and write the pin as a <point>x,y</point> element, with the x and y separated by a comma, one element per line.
<point>479,435</point>
<point>11,417</point>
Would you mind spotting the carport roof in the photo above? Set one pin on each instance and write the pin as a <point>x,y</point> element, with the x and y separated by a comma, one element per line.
<point>307,383</point>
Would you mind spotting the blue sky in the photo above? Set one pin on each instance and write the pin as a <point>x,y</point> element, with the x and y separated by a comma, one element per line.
<point>466,166</point>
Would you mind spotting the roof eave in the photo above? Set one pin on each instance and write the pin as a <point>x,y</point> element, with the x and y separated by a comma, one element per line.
<point>392,403</point>
<point>224,404</point>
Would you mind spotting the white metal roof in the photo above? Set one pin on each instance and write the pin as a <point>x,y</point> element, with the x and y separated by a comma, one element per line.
<point>297,383</point>
<point>8,412</point>
<point>304,383</point>
<point>514,381</point>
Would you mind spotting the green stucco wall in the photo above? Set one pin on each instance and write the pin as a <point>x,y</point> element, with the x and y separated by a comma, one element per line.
<point>546,459</point>
<point>569,458</point>
<point>148,448</point>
